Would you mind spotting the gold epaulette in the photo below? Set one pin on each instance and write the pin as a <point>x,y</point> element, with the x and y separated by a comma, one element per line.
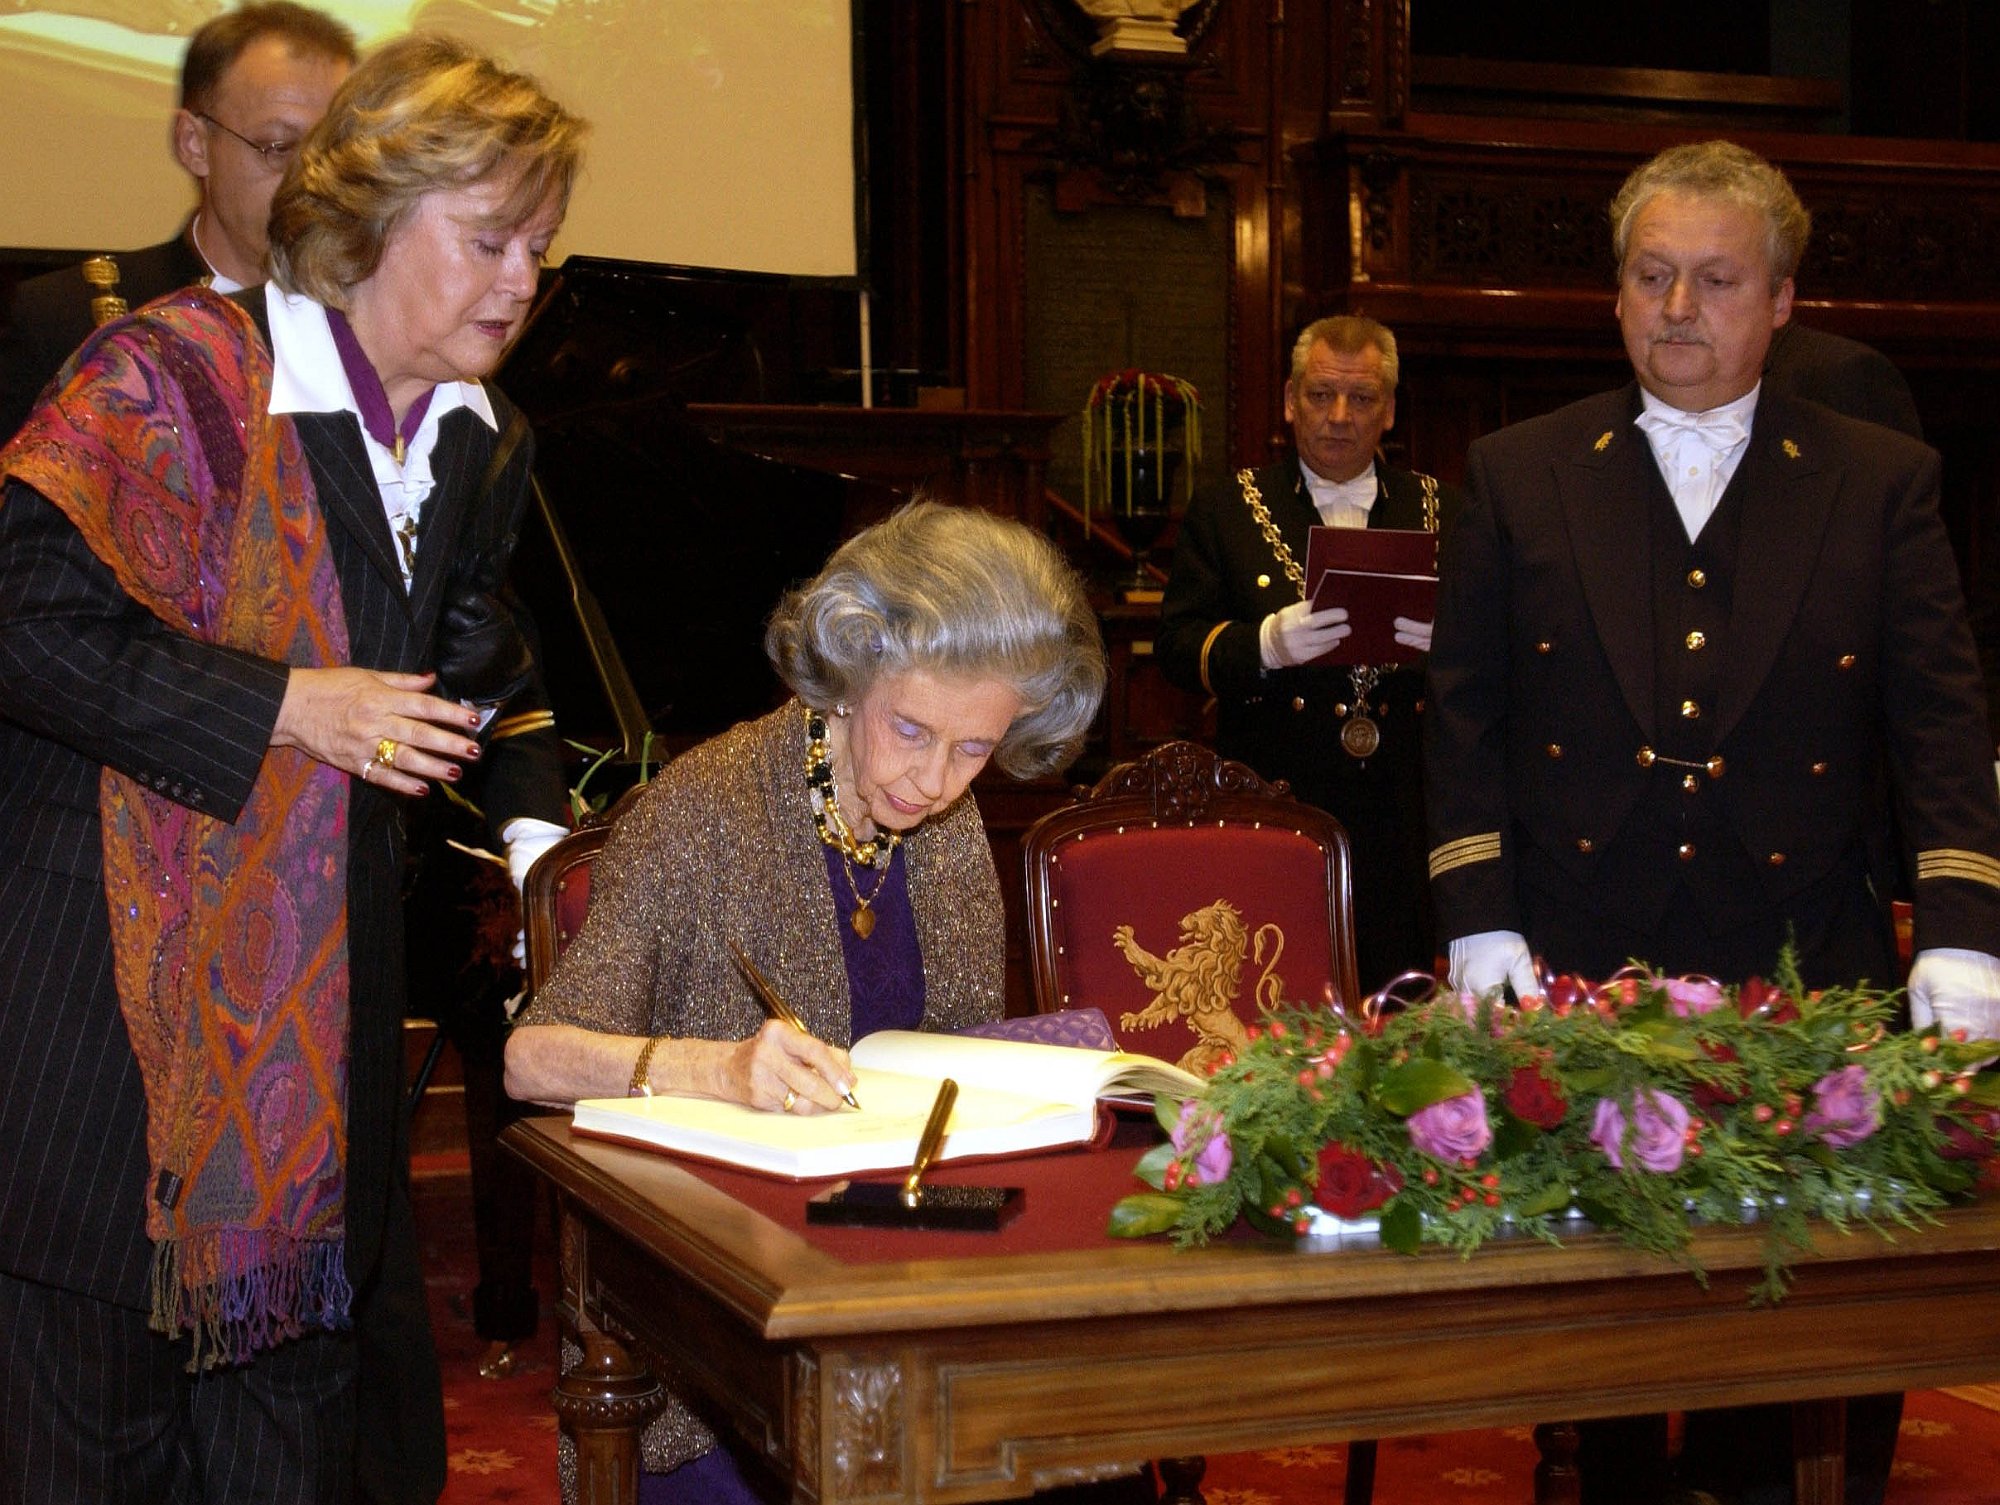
<point>1467,850</point>
<point>101,272</point>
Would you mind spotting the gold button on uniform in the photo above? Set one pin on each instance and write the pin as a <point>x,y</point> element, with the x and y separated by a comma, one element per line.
<point>1845,661</point>
<point>1697,640</point>
<point>1685,851</point>
<point>1819,770</point>
<point>1690,783</point>
<point>1646,755</point>
<point>1697,578</point>
<point>1585,845</point>
<point>1298,702</point>
<point>1263,582</point>
<point>1690,711</point>
<point>1776,859</point>
<point>1545,646</point>
<point>1554,749</point>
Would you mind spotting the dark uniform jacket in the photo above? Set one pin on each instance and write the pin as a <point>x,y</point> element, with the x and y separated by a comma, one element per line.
<point>1287,723</point>
<point>51,317</point>
<point>1627,730</point>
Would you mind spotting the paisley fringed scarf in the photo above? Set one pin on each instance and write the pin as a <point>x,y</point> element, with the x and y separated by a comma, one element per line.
<point>229,941</point>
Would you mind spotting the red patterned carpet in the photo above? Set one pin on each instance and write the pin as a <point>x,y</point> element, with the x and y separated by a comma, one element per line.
<point>503,1442</point>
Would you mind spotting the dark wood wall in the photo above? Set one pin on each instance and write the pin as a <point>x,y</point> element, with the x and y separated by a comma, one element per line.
<point>1316,156</point>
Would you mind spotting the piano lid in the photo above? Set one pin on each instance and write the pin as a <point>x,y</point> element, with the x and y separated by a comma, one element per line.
<point>684,544</point>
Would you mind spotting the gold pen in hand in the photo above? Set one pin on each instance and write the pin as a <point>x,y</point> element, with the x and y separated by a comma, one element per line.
<point>774,1002</point>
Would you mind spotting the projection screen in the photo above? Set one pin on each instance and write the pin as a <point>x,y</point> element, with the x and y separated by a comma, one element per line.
<point>723,129</point>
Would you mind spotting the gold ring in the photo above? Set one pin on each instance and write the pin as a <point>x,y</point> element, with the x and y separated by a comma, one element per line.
<point>385,752</point>
<point>366,769</point>
<point>791,1099</point>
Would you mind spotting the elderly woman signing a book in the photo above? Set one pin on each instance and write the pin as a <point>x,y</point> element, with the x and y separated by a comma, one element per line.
<point>833,841</point>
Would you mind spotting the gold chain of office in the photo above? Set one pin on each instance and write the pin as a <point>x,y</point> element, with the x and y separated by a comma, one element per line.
<point>1359,734</point>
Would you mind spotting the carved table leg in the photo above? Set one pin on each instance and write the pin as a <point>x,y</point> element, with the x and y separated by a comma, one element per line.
<point>1819,1451</point>
<point>1180,1480</point>
<point>1558,1481</point>
<point>604,1403</point>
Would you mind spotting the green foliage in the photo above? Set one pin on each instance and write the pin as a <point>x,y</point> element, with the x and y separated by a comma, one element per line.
<point>1760,1073</point>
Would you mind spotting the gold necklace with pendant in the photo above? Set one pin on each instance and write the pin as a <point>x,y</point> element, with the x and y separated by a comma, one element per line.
<point>863,918</point>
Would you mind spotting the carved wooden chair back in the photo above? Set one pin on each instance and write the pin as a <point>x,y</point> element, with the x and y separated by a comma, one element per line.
<point>1183,893</point>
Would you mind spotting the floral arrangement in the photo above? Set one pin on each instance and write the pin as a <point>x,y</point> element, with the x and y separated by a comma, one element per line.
<point>1128,413</point>
<point>1647,1105</point>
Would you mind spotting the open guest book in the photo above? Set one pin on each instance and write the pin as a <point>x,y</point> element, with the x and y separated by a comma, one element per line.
<point>1378,574</point>
<point>1013,1096</point>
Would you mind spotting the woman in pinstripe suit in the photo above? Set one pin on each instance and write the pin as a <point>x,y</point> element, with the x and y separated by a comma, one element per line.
<point>235,545</point>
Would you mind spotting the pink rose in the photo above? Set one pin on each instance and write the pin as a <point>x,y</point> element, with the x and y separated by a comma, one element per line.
<point>1200,1131</point>
<point>1687,996</point>
<point>1845,1109</point>
<point>1455,1129</point>
<point>1659,1131</point>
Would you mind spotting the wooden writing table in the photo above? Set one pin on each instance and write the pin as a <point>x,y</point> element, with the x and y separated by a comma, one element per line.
<point>874,1367</point>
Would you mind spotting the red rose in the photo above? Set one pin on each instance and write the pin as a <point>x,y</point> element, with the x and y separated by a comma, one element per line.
<point>1759,994</point>
<point>1534,1099</point>
<point>1568,990</point>
<point>1970,1137</point>
<point>1708,1094</point>
<point>1351,1184</point>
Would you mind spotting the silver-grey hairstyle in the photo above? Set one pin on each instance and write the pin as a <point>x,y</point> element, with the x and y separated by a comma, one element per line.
<point>1347,334</point>
<point>950,591</point>
<point>1724,170</point>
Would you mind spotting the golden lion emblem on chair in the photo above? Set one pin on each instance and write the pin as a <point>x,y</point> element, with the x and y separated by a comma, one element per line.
<point>1199,980</point>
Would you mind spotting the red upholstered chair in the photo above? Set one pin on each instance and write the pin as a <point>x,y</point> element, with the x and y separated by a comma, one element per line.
<point>556,895</point>
<point>1183,892</point>
<point>1180,894</point>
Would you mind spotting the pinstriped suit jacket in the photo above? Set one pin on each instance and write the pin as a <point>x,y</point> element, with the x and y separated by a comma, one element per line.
<point>89,679</point>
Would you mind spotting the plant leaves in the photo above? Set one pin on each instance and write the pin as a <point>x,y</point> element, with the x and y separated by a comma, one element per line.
<point>1402,1227</point>
<point>1552,1198</point>
<point>1152,1166</point>
<point>1143,1214</point>
<point>1418,1083</point>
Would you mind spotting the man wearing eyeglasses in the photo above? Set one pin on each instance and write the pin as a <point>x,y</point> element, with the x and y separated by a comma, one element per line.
<point>254,81</point>
<point>1235,625</point>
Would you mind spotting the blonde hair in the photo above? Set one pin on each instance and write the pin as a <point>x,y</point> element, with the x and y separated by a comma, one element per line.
<point>1347,334</point>
<point>1721,170</point>
<point>951,591</point>
<point>421,113</point>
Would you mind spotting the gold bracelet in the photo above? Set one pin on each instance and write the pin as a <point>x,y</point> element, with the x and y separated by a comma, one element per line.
<point>641,1084</point>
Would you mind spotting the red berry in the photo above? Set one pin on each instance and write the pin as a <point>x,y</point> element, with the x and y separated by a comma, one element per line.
<point>1430,1177</point>
<point>1493,1199</point>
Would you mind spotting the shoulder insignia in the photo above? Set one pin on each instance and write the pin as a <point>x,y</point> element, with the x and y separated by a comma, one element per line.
<point>1603,442</point>
<point>1791,449</point>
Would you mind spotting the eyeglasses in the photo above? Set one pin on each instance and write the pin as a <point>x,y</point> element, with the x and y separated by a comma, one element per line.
<point>275,153</point>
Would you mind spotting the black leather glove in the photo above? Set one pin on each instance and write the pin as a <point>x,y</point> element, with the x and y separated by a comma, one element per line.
<point>482,656</point>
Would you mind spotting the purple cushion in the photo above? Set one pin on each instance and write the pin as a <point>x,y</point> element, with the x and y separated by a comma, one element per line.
<point>1087,1029</point>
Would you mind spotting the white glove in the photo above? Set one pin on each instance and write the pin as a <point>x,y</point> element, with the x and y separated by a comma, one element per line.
<point>1298,634</point>
<point>1480,963</point>
<point>1956,990</point>
<point>526,838</point>
<point>1413,634</point>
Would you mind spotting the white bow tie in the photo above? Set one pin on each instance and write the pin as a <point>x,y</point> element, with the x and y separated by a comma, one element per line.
<point>1719,431</point>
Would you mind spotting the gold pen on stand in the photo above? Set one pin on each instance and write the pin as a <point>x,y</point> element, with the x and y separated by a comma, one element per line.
<point>930,1143</point>
<point>774,1001</point>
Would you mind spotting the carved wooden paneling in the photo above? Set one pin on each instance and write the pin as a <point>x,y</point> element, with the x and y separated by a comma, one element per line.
<point>869,1443</point>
